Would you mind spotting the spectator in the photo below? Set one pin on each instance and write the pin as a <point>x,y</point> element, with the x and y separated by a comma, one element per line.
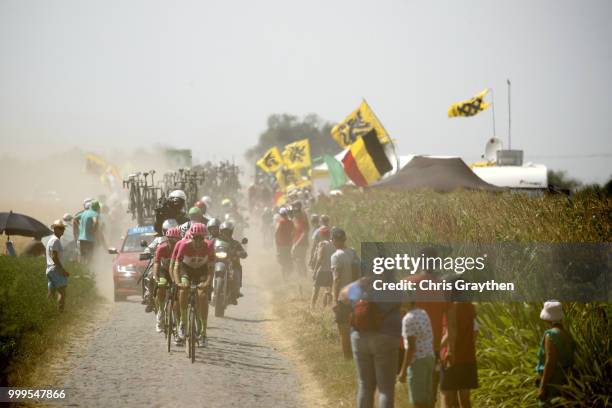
<point>459,372</point>
<point>323,222</point>
<point>345,265</point>
<point>283,236</point>
<point>10,247</point>
<point>57,276</point>
<point>556,354</point>
<point>418,362</point>
<point>300,237</point>
<point>375,335</point>
<point>34,248</point>
<point>89,231</point>
<point>322,274</point>
<point>434,303</point>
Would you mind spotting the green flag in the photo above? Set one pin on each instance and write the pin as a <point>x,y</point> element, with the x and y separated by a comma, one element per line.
<point>336,172</point>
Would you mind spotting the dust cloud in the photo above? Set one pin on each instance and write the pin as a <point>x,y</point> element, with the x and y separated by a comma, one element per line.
<point>50,186</point>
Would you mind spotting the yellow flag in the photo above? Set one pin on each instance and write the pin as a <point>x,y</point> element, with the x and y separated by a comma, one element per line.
<point>287,178</point>
<point>357,124</point>
<point>297,154</point>
<point>469,107</point>
<point>271,161</point>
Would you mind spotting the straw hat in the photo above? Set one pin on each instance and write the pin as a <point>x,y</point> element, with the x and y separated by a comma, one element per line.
<point>552,311</point>
<point>58,224</point>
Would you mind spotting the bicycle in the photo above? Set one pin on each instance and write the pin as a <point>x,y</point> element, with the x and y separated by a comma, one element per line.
<point>169,317</point>
<point>191,329</point>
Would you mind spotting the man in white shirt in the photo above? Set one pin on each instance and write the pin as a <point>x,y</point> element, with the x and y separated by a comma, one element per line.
<point>57,276</point>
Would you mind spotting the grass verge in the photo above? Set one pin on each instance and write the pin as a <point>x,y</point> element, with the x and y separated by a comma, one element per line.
<point>30,324</point>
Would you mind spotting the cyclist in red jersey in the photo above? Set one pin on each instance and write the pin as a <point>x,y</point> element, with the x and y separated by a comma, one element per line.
<point>191,264</point>
<point>161,271</point>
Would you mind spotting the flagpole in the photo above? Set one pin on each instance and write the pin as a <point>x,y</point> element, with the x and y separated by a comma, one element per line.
<point>397,160</point>
<point>509,118</point>
<point>493,109</point>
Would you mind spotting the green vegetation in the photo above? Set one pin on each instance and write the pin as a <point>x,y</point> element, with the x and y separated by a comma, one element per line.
<point>510,332</point>
<point>29,322</point>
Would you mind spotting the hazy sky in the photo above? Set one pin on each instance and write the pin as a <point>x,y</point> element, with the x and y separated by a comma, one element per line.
<point>206,74</point>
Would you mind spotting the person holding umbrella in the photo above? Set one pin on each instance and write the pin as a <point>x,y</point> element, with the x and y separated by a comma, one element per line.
<point>57,276</point>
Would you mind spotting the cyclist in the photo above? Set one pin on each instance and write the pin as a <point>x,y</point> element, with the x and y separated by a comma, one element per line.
<point>151,249</point>
<point>237,251</point>
<point>161,271</point>
<point>172,207</point>
<point>213,228</point>
<point>191,264</point>
<point>195,216</point>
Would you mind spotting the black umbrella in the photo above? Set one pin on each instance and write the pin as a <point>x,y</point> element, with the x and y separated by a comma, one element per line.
<point>18,224</point>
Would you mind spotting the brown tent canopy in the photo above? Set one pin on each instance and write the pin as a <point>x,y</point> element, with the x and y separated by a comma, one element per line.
<point>435,173</point>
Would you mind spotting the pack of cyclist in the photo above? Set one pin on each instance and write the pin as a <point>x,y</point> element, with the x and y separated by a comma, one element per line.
<point>183,258</point>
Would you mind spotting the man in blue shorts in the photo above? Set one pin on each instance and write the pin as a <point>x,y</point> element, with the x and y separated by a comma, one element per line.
<point>57,276</point>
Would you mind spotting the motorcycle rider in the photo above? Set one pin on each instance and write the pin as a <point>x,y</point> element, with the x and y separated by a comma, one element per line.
<point>172,207</point>
<point>161,271</point>
<point>237,252</point>
<point>213,228</point>
<point>193,264</point>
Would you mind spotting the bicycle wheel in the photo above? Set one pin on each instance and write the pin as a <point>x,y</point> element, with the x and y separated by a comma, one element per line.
<point>169,322</point>
<point>192,334</point>
<point>188,337</point>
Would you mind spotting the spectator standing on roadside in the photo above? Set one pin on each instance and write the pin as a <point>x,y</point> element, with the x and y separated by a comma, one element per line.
<point>345,266</point>
<point>375,335</point>
<point>434,303</point>
<point>418,362</point>
<point>459,371</point>
<point>322,274</point>
<point>283,237</point>
<point>300,237</point>
<point>316,238</point>
<point>89,231</point>
<point>57,276</point>
<point>556,354</point>
<point>34,248</point>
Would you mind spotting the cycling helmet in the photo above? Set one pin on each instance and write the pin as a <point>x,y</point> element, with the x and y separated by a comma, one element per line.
<point>338,234</point>
<point>67,218</point>
<point>201,205</point>
<point>324,219</point>
<point>198,230</point>
<point>226,202</point>
<point>193,211</point>
<point>178,194</point>
<point>173,232</point>
<point>213,222</point>
<point>206,200</point>
<point>87,203</point>
<point>227,226</point>
<point>169,223</point>
<point>283,212</point>
<point>185,228</point>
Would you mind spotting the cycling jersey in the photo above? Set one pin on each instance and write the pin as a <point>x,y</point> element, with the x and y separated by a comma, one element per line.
<point>163,255</point>
<point>193,262</point>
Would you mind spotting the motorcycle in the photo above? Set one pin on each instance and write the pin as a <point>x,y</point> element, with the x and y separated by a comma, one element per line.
<point>225,275</point>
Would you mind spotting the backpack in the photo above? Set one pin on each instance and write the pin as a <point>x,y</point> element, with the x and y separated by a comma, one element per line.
<point>366,316</point>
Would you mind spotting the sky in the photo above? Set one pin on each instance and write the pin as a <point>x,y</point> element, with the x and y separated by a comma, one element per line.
<point>205,75</point>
